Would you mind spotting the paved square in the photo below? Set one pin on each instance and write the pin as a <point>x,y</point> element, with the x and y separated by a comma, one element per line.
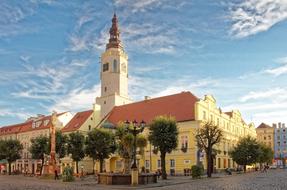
<point>273,179</point>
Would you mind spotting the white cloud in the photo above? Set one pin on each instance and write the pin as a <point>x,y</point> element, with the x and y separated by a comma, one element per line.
<point>282,69</point>
<point>14,113</point>
<point>253,16</point>
<point>271,93</point>
<point>77,99</point>
<point>139,5</point>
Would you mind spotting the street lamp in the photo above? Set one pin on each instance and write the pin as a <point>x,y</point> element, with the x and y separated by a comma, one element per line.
<point>135,130</point>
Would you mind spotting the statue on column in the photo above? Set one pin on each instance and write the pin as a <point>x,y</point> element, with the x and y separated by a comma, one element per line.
<point>51,167</point>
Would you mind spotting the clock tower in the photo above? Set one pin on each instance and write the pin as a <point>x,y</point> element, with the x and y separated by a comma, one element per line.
<point>114,73</point>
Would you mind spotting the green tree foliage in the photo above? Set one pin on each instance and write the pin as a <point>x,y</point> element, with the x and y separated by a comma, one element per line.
<point>125,145</point>
<point>196,171</point>
<point>39,147</point>
<point>61,141</point>
<point>100,144</point>
<point>75,147</point>
<point>2,155</point>
<point>246,152</point>
<point>208,135</point>
<point>164,136</point>
<point>10,150</point>
<point>266,154</point>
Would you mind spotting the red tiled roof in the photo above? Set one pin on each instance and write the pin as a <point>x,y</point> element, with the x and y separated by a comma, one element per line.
<point>12,128</point>
<point>263,125</point>
<point>181,106</point>
<point>77,121</point>
<point>28,125</point>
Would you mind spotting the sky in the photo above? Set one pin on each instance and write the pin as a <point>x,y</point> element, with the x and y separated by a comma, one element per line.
<point>235,50</point>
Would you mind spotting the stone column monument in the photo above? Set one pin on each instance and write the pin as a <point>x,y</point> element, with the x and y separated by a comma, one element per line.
<point>51,166</point>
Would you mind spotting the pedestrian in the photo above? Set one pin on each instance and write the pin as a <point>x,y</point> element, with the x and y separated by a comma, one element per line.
<point>56,174</point>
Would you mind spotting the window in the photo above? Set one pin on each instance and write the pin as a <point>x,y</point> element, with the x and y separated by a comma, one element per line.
<point>172,163</point>
<point>264,138</point>
<point>278,137</point>
<point>158,164</point>
<point>204,114</point>
<point>105,89</point>
<point>184,142</point>
<point>219,166</point>
<point>90,127</point>
<point>105,102</point>
<point>105,67</point>
<point>218,121</point>
<point>147,164</point>
<point>211,117</point>
<point>115,66</point>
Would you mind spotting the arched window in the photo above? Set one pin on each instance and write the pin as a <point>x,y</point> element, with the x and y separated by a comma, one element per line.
<point>115,66</point>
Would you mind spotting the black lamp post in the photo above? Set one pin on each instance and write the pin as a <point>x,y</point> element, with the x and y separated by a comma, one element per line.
<point>135,130</point>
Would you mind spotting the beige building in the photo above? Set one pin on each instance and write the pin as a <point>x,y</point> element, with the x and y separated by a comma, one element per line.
<point>265,134</point>
<point>24,132</point>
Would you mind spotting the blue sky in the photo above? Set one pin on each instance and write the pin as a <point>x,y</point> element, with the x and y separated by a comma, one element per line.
<point>235,50</point>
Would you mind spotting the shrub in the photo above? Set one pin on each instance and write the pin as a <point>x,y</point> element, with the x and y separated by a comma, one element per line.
<point>68,174</point>
<point>196,171</point>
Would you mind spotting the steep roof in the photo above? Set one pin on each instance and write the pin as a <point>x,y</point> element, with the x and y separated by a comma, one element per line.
<point>263,125</point>
<point>36,124</point>
<point>181,106</point>
<point>77,121</point>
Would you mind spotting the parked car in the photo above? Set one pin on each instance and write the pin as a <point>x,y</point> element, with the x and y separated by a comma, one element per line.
<point>273,167</point>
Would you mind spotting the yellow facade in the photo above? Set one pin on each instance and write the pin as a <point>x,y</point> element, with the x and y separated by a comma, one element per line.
<point>233,128</point>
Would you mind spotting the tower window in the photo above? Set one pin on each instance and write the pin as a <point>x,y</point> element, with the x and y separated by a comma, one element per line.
<point>105,102</point>
<point>105,89</point>
<point>105,67</point>
<point>115,66</point>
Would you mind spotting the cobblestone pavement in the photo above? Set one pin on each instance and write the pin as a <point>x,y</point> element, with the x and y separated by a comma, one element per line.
<point>273,179</point>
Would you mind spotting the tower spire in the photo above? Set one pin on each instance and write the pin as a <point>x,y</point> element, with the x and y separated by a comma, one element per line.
<point>114,41</point>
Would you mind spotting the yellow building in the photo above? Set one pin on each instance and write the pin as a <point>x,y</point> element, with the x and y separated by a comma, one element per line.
<point>265,134</point>
<point>190,112</point>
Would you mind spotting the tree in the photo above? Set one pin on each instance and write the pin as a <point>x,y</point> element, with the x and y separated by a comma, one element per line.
<point>125,145</point>
<point>39,147</point>
<point>100,145</point>
<point>11,150</point>
<point>208,135</point>
<point>266,154</point>
<point>61,141</point>
<point>76,147</point>
<point>2,155</point>
<point>164,136</point>
<point>246,152</point>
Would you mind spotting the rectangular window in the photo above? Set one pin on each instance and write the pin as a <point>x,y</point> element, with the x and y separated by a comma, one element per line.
<point>172,163</point>
<point>105,67</point>
<point>217,121</point>
<point>219,166</point>
<point>158,164</point>
<point>204,114</point>
<point>147,164</point>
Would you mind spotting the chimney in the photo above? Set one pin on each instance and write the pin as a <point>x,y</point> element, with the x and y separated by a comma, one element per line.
<point>274,125</point>
<point>146,98</point>
<point>279,124</point>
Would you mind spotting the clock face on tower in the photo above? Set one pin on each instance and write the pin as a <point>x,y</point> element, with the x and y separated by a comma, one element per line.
<point>124,67</point>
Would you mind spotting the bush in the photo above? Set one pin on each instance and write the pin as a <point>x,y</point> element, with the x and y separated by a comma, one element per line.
<point>68,174</point>
<point>196,171</point>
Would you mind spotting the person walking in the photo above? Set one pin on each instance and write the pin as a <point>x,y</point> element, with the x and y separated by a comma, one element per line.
<point>56,174</point>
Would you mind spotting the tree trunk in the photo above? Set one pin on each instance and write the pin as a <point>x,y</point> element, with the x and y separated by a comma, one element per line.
<point>244,168</point>
<point>209,162</point>
<point>101,165</point>
<point>42,163</point>
<point>77,167</point>
<point>163,169</point>
<point>93,166</point>
<point>9,168</point>
<point>127,165</point>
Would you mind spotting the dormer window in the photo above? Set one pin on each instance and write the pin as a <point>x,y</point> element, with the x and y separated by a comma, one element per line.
<point>115,66</point>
